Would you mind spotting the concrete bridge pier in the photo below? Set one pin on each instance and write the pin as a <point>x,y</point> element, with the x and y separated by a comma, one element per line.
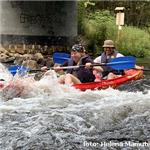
<point>38,22</point>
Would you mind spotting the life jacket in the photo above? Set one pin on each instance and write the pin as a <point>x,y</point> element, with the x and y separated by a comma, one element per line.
<point>82,73</point>
<point>107,69</point>
<point>106,59</point>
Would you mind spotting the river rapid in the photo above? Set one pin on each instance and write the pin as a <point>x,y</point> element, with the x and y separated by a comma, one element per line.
<point>50,116</point>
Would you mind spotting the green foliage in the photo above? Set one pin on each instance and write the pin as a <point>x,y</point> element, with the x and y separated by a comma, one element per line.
<point>134,41</point>
<point>100,25</point>
<point>81,15</point>
<point>97,27</point>
<point>89,3</point>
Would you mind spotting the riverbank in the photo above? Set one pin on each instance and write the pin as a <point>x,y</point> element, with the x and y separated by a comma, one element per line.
<point>143,61</point>
<point>146,63</point>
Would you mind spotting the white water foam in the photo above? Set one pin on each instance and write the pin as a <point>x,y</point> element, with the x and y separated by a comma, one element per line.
<point>4,73</point>
<point>81,112</point>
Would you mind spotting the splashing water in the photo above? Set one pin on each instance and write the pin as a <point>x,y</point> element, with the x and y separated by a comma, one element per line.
<point>4,73</point>
<point>54,116</point>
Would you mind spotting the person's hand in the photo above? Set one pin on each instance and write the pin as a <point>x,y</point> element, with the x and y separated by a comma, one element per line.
<point>142,67</point>
<point>88,65</point>
<point>95,72</point>
<point>139,67</point>
<point>57,68</point>
<point>44,68</point>
<point>98,68</point>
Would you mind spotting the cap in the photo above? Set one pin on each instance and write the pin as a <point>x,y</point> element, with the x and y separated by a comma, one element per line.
<point>78,48</point>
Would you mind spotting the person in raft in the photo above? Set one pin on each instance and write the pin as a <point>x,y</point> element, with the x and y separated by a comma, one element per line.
<point>109,53</point>
<point>78,75</point>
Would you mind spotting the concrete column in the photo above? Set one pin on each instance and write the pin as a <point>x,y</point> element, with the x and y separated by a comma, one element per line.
<point>38,18</point>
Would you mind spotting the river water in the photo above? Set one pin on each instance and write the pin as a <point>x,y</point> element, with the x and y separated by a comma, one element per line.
<point>50,116</point>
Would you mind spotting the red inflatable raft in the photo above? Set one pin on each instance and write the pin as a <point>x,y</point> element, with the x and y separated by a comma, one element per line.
<point>131,74</point>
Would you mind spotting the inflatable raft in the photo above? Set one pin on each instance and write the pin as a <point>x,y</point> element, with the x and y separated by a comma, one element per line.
<point>131,74</point>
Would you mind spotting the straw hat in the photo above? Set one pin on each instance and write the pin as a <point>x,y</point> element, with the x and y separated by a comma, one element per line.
<point>108,43</point>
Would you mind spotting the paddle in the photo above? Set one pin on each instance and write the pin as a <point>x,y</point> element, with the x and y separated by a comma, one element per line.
<point>60,58</point>
<point>144,69</point>
<point>119,63</point>
<point>16,68</point>
<point>122,63</point>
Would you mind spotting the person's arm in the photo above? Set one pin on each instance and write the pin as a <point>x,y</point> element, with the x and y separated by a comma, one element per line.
<point>58,67</point>
<point>139,67</point>
<point>98,68</point>
<point>119,55</point>
<point>97,60</point>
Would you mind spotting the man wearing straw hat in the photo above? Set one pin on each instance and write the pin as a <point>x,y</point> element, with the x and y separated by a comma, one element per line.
<point>109,53</point>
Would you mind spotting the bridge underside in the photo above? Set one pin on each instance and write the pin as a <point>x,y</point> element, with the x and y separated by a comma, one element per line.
<point>51,22</point>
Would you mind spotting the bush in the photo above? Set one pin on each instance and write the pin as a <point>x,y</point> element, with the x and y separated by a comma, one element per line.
<point>134,41</point>
<point>99,26</point>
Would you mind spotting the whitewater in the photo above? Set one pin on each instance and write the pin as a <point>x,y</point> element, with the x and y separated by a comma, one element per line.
<point>51,116</point>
